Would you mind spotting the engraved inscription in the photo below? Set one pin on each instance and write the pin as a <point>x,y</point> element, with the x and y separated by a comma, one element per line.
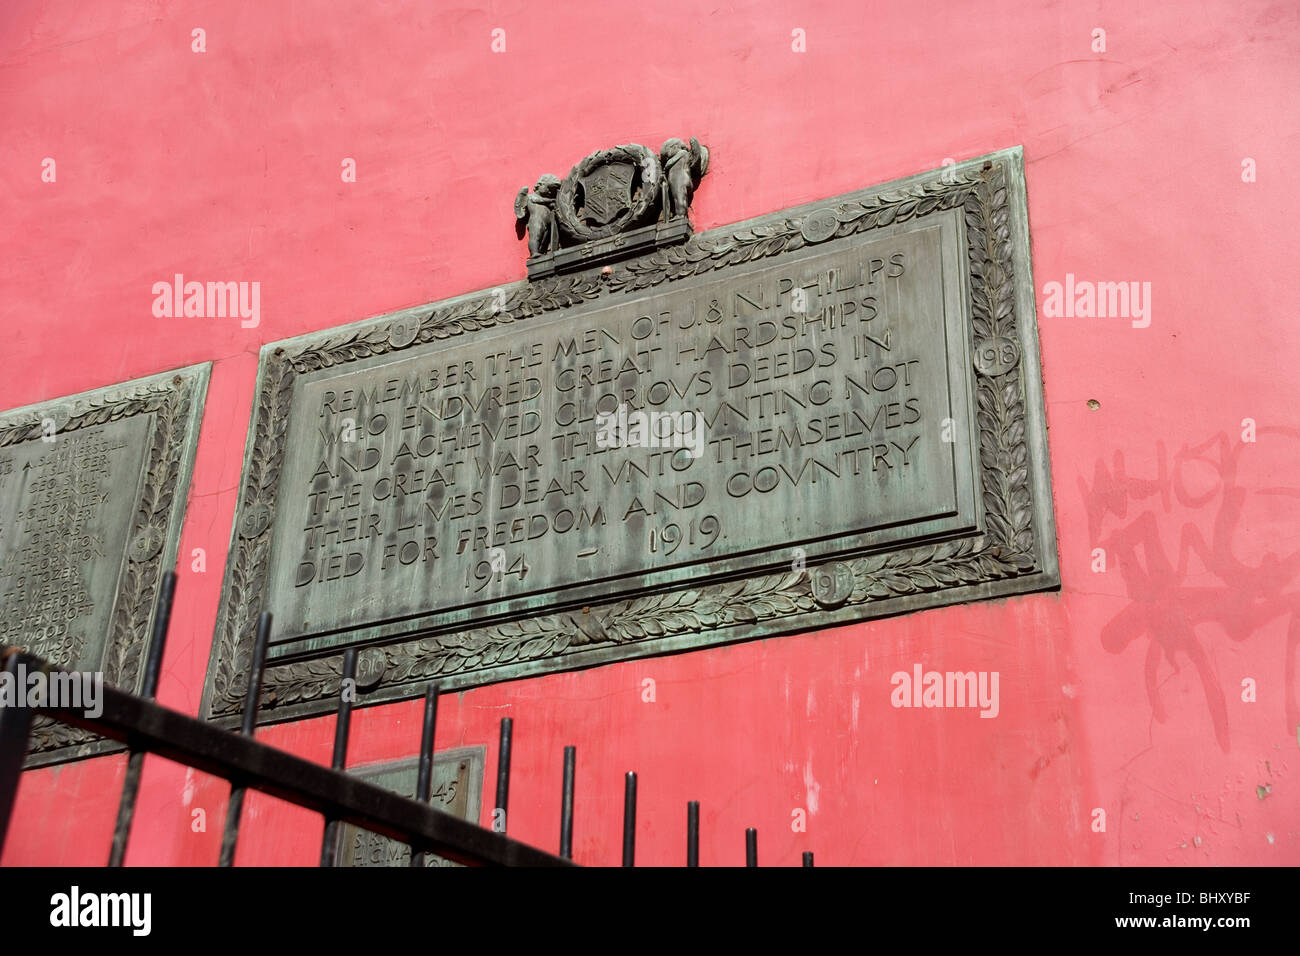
<point>631,445</point>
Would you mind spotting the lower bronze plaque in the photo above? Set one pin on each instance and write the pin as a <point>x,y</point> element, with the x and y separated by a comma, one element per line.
<point>830,413</point>
<point>457,788</point>
<point>92,489</point>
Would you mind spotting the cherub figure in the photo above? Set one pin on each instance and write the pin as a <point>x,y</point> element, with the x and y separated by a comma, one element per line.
<point>684,166</point>
<point>536,212</point>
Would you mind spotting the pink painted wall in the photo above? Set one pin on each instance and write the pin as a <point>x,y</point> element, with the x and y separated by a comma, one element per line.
<point>1122,692</point>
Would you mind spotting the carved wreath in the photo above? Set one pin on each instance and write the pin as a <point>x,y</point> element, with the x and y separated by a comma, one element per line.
<point>643,203</point>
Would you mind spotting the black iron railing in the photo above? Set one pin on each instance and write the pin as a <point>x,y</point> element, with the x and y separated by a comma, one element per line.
<point>146,727</point>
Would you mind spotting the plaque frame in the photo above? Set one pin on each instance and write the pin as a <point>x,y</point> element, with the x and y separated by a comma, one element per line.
<point>1015,551</point>
<point>175,401</point>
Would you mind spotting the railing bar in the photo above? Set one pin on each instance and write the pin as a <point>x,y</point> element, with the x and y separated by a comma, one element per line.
<point>751,847</point>
<point>424,781</point>
<point>503,775</point>
<point>329,844</point>
<point>629,819</point>
<point>252,700</point>
<point>566,803</point>
<point>693,833</point>
<point>807,858</point>
<point>149,690</point>
<point>15,727</point>
<point>161,624</point>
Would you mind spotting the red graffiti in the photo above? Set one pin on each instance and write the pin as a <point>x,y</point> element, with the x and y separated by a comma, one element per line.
<point>1178,617</point>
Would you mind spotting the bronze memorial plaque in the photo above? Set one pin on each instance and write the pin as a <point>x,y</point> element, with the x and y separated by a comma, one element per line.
<point>456,788</point>
<point>92,490</point>
<point>661,440</point>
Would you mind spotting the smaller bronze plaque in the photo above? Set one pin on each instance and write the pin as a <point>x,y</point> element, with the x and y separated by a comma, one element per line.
<point>457,789</point>
<point>92,489</point>
<point>65,523</point>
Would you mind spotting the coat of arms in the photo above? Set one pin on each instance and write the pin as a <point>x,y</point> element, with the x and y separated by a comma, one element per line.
<point>605,194</point>
<point>612,203</point>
